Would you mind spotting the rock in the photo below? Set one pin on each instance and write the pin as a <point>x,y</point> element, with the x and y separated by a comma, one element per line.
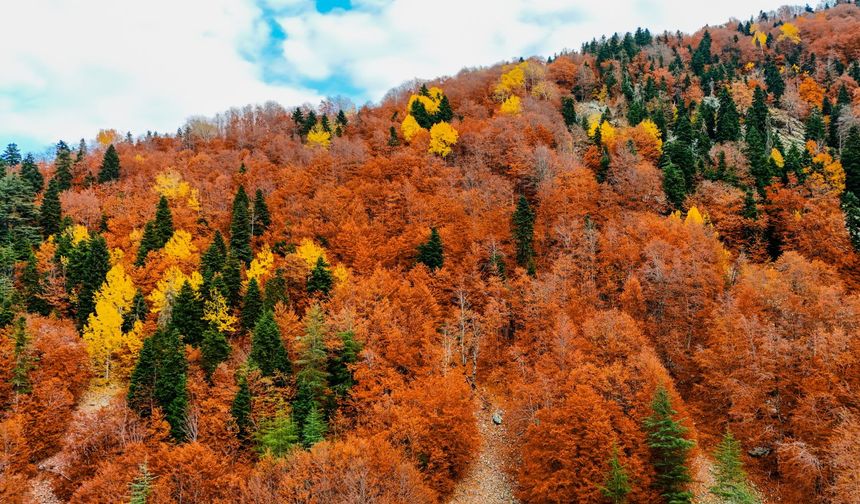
<point>497,418</point>
<point>759,451</point>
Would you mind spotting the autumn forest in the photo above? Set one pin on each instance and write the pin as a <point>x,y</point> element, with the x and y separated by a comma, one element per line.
<point>623,274</point>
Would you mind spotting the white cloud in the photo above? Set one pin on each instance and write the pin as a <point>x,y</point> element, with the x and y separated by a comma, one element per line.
<point>71,68</point>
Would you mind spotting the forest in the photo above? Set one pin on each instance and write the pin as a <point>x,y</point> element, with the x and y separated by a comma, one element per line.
<point>623,274</point>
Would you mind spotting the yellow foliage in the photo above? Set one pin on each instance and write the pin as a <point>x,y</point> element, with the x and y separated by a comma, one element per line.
<point>138,158</point>
<point>169,184</point>
<point>777,158</point>
<point>693,217</point>
<point>106,137</point>
<point>409,128</point>
<point>511,81</point>
<point>319,137</point>
<point>217,313</point>
<point>262,264</point>
<point>442,137</point>
<point>310,252</point>
<point>511,105</point>
<point>759,39</point>
<point>749,66</point>
<point>193,200</point>
<point>180,246</point>
<point>168,287</point>
<point>116,256</point>
<point>653,131</point>
<point>603,94</point>
<point>340,273</point>
<point>790,32</point>
<point>543,90</point>
<point>608,132</point>
<point>78,234</point>
<point>103,334</point>
<point>832,175</point>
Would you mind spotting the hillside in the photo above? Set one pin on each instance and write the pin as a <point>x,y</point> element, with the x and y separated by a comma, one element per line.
<point>623,274</point>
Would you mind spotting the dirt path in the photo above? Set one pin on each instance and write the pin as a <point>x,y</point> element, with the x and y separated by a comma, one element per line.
<point>486,481</point>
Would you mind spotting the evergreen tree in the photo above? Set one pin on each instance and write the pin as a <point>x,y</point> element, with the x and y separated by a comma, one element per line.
<point>262,219</point>
<point>31,174</point>
<point>851,160</point>
<point>851,210</point>
<point>252,305</point>
<point>137,312</point>
<point>32,289</point>
<point>240,227</point>
<point>320,280</point>
<point>278,436</point>
<point>51,211</point>
<point>616,487</point>
<point>312,378</point>
<point>669,449</point>
<point>393,140</point>
<point>141,487</point>
<point>340,375</point>
<point>12,156</point>
<point>444,113</point>
<point>19,218</point>
<point>759,160</point>
<point>110,167</point>
<point>757,115</point>
<point>96,263</point>
<point>159,379</point>
<point>299,120</point>
<point>187,315</point>
<point>568,111</point>
<point>341,120</point>
<point>673,184</point>
<point>773,80</point>
<point>730,479</point>
<point>314,428</point>
<point>23,358</point>
<point>214,350</point>
<point>814,126</point>
<point>215,256</point>
<point>163,223</point>
<point>63,166</point>
<point>267,348</point>
<point>522,226</point>
<point>702,55</point>
<point>419,112</point>
<point>275,291</point>
<point>231,276</point>
<point>148,242</point>
<point>430,253</point>
<point>241,408</point>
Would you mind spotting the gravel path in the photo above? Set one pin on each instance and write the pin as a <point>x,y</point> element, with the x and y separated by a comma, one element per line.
<point>486,481</point>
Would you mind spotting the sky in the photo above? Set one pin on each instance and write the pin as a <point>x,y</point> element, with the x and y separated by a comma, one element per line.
<point>71,67</point>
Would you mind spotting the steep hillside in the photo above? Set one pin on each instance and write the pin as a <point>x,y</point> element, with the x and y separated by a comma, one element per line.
<point>624,274</point>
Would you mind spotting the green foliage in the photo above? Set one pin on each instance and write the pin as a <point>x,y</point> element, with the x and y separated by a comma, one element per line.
<point>240,409</point>
<point>522,228</point>
<point>187,315</point>
<point>758,116</point>
<point>444,113</point>
<point>214,350</point>
<point>252,305</point>
<point>141,487</point>
<point>773,80</point>
<point>32,289</point>
<point>11,156</point>
<point>339,365</point>
<point>215,256</point>
<point>814,126</point>
<point>136,312</point>
<point>159,379</point>
<point>19,220</point>
<point>314,428</point>
<point>275,291</point>
<point>730,479</point>
<point>163,222</point>
<point>669,449</point>
<point>31,174</point>
<point>110,167</point>
<point>320,280</point>
<point>91,267</point>
<point>673,184</point>
<point>393,140</point>
<point>267,349</point>
<point>616,486</point>
<point>240,227</point>
<point>262,219</point>
<point>277,436</point>
<point>23,359</point>
<point>851,160</point>
<point>231,275</point>
<point>430,253</point>
<point>851,210</point>
<point>63,166</point>
<point>759,160</point>
<point>312,378</point>
<point>51,211</point>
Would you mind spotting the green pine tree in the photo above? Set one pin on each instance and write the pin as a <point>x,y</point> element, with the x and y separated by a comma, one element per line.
<point>431,253</point>
<point>851,210</point>
<point>669,449</point>
<point>262,219</point>
<point>136,313</point>
<point>773,80</point>
<point>275,291</point>
<point>163,223</point>
<point>814,126</point>
<point>148,242</point>
<point>522,228</point>
<point>730,479</point>
<point>674,184</point>
<point>314,428</point>
<point>759,160</point>
<point>187,315</point>
<point>277,436</point>
<point>32,289</point>
<point>11,156</point>
<point>393,140</point>
<point>110,167</point>
<point>214,350</point>
<point>31,174</point>
<point>96,263</point>
<point>23,358</point>
<point>63,166</point>
<point>419,112</point>
<point>758,116</point>
<point>444,113</point>
<point>312,377</point>
<point>51,211</point>
<point>252,305</point>
<point>616,486</point>
<point>240,410</point>
<point>320,280</point>
<point>141,487</point>
<point>240,227</point>
<point>267,349</point>
<point>215,256</point>
<point>341,378</point>
<point>231,276</point>
<point>851,160</point>
<point>341,120</point>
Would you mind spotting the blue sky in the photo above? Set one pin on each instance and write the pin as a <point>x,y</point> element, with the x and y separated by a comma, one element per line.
<point>71,68</point>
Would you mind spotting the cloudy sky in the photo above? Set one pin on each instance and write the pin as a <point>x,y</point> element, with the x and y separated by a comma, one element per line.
<point>70,68</point>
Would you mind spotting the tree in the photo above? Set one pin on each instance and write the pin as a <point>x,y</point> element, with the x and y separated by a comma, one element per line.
<point>214,350</point>
<point>19,220</point>
<point>213,259</point>
<point>31,174</point>
<point>814,126</point>
<point>312,377</point>
<point>728,119</point>
<point>314,428</point>
<point>51,211</point>
<point>851,160</point>
<point>92,273</point>
<point>63,166</point>
<point>277,436</point>
<point>137,312</point>
<point>757,115</point>
<point>231,276</point>
<point>444,113</point>
<point>773,79</point>
<point>673,184</point>
<point>141,487</point>
<point>252,305</point>
<point>262,219</point>
<point>240,409</point>
<point>522,225</point>
<point>340,374</point>
<point>103,334</point>
<point>267,349</point>
<point>320,280</point>
<point>32,289</point>
<point>669,449</point>
<point>617,484</point>
<point>851,210</point>
<point>187,315</point>
<point>163,223</point>
<point>12,156</point>
<point>23,358</point>
<point>442,137</point>
<point>110,167</point>
<point>159,380</point>
<point>730,479</point>
<point>240,227</point>
<point>430,253</point>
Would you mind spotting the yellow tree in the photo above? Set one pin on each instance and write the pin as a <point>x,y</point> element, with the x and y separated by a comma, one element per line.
<point>217,313</point>
<point>103,333</point>
<point>410,128</point>
<point>180,246</point>
<point>789,32</point>
<point>319,137</point>
<point>262,264</point>
<point>511,106</point>
<point>442,137</point>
